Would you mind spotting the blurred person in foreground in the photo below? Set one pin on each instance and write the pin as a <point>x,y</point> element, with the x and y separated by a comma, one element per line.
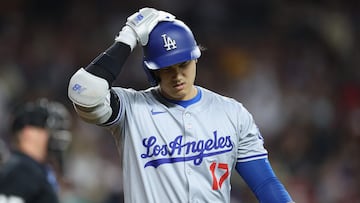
<point>179,141</point>
<point>39,136</point>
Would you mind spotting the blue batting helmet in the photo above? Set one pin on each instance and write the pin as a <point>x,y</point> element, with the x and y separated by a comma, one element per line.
<point>170,42</point>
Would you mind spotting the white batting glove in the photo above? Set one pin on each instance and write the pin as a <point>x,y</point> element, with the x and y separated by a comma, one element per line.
<point>127,36</point>
<point>143,22</point>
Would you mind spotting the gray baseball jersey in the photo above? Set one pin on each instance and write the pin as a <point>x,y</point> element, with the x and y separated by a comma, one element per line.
<point>176,154</point>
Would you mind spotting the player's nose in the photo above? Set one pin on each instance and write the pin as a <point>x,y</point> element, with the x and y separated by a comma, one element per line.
<point>175,71</point>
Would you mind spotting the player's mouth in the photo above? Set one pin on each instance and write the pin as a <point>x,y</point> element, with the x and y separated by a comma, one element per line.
<point>179,86</point>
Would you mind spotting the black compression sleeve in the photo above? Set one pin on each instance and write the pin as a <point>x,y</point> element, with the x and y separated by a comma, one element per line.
<point>109,63</point>
<point>115,105</point>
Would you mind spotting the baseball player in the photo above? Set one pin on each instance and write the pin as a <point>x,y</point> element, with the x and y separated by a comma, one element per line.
<point>179,142</point>
<point>26,176</point>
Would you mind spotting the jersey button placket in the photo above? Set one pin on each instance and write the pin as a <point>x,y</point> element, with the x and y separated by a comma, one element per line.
<point>189,171</point>
<point>189,137</point>
<point>187,119</point>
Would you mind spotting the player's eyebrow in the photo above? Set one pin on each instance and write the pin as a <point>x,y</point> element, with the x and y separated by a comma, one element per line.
<point>183,63</point>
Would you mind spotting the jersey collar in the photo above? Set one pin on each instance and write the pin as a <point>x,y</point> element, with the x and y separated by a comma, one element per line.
<point>186,103</point>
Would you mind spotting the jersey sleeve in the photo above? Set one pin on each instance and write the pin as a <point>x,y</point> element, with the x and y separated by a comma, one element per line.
<point>118,118</point>
<point>250,143</point>
<point>127,98</point>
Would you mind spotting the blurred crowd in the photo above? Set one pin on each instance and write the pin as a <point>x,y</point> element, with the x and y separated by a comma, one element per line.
<point>294,64</point>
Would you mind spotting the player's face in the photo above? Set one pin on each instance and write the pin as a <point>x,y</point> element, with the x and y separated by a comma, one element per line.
<point>34,140</point>
<point>177,81</point>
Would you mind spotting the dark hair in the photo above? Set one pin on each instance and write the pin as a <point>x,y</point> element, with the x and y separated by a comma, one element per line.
<point>29,114</point>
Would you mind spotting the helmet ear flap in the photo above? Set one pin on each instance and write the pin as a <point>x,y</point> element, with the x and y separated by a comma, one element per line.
<point>153,80</point>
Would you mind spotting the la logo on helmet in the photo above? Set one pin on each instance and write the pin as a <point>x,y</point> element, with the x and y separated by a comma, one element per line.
<point>169,43</point>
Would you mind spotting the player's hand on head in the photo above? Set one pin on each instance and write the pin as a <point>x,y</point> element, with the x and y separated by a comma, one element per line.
<point>143,22</point>
<point>127,36</point>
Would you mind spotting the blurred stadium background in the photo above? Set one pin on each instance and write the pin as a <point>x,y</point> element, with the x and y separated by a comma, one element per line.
<point>294,64</point>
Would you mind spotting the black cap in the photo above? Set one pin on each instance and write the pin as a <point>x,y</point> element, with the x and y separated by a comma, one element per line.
<point>31,114</point>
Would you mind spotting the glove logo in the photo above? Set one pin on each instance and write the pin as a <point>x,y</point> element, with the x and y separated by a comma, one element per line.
<point>139,18</point>
<point>169,43</point>
<point>78,88</point>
